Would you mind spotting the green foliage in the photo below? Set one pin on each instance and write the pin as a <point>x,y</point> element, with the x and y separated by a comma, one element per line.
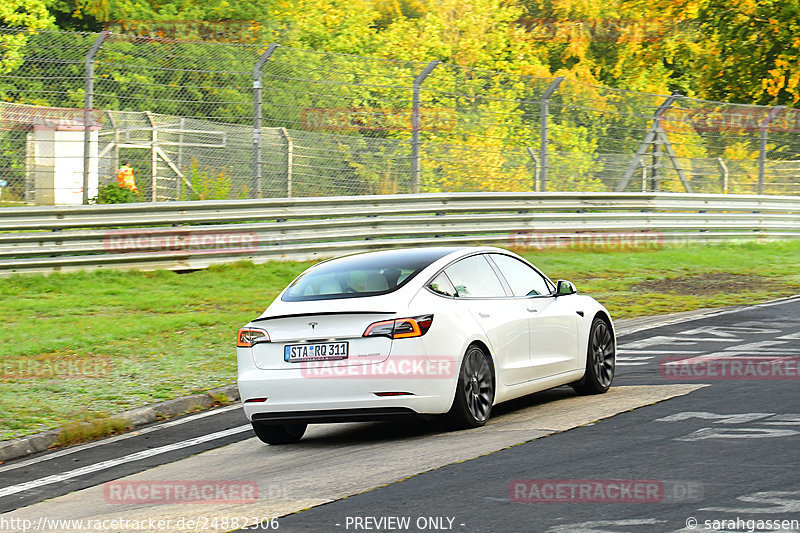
<point>208,183</point>
<point>711,49</point>
<point>392,10</point>
<point>757,58</point>
<point>113,193</point>
<point>25,16</point>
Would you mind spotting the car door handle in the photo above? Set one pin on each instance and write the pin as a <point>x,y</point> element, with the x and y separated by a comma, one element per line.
<point>484,315</point>
<point>532,310</point>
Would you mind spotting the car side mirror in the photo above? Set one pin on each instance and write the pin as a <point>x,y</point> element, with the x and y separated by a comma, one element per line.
<point>565,288</point>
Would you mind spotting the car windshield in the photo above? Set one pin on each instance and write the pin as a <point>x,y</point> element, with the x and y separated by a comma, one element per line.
<point>369,274</point>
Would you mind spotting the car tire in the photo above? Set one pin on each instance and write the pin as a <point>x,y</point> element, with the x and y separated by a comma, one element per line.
<point>600,360</point>
<point>279,433</point>
<point>472,405</point>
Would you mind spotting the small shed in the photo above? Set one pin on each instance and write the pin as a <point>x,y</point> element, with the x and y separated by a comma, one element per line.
<point>54,161</point>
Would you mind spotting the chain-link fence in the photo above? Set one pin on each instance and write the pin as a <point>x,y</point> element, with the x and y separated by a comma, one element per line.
<point>218,120</point>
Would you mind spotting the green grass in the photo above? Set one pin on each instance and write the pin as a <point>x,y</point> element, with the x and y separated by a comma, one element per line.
<point>149,336</point>
<point>620,280</point>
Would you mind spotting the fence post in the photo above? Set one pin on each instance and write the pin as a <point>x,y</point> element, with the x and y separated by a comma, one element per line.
<point>257,77</point>
<point>289,161</point>
<point>545,109</point>
<point>153,157</point>
<point>655,163</point>
<point>30,183</point>
<point>88,104</point>
<point>536,169</point>
<point>113,122</point>
<point>180,157</point>
<point>762,149</point>
<point>416,124</point>
<point>644,176</point>
<point>724,168</point>
<point>651,135</point>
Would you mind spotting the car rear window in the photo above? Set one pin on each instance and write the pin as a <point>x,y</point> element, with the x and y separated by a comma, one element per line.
<point>355,276</point>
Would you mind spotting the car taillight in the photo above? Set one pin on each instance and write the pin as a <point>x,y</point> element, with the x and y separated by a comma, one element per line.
<point>247,337</point>
<point>400,328</point>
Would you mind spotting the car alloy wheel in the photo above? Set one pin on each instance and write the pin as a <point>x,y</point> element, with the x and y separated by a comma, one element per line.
<point>600,360</point>
<point>472,405</point>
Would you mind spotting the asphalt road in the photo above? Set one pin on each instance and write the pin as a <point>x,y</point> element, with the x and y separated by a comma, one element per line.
<point>725,453</point>
<point>157,444</point>
<point>719,452</point>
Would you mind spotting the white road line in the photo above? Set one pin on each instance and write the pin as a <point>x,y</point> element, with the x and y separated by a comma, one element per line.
<point>712,356</point>
<point>710,314</point>
<point>658,352</point>
<point>672,340</point>
<point>762,346</point>
<point>760,354</point>
<point>765,351</point>
<point>136,433</point>
<point>104,465</point>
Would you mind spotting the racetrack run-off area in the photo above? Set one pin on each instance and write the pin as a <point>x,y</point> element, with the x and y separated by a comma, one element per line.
<point>715,448</point>
<point>129,339</point>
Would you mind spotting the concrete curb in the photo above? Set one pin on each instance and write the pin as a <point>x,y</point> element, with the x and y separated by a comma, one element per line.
<point>140,416</point>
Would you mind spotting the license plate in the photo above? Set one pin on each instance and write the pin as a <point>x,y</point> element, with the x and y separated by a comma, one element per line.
<point>323,351</point>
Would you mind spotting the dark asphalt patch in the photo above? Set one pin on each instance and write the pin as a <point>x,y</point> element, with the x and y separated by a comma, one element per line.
<point>708,283</point>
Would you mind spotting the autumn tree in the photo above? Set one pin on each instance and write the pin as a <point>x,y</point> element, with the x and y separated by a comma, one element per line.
<point>757,55</point>
<point>20,18</point>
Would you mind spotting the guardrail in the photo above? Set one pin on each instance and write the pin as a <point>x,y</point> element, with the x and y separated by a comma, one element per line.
<point>191,235</point>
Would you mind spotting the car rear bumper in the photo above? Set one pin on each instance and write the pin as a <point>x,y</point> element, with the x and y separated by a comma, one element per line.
<point>334,415</point>
<point>292,395</point>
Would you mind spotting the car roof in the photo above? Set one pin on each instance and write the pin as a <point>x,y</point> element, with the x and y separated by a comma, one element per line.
<point>445,251</point>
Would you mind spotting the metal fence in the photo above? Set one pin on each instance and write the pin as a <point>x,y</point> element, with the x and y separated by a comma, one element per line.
<point>190,235</point>
<point>211,120</point>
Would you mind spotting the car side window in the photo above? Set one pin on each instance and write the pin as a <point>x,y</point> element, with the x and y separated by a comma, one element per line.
<point>441,285</point>
<point>474,277</point>
<point>523,280</point>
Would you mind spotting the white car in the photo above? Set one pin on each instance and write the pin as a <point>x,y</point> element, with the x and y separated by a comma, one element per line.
<point>423,331</point>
